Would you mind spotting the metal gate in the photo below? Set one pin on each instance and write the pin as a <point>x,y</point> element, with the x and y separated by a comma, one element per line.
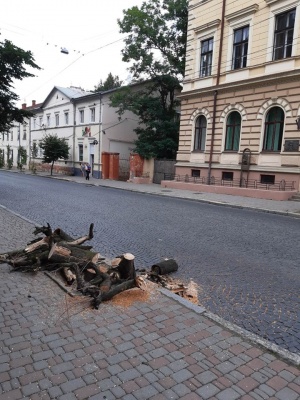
<point>124,169</point>
<point>162,168</point>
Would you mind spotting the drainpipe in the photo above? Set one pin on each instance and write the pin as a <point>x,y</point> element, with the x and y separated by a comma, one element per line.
<point>29,139</point>
<point>100,134</point>
<point>216,94</point>
<point>74,131</point>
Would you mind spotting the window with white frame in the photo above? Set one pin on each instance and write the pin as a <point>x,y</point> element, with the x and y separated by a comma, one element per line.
<point>240,36</point>
<point>66,118</point>
<point>81,116</point>
<point>273,129</point>
<point>93,114</point>
<point>284,34</point>
<point>24,132</point>
<point>11,135</point>
<point>204,60</point>
<point>233,130</point>
<point>206,57</point>
<point>200,133</point>
<point>41,122</point>
<point>80,152</point>
<point>40,152</point>
<point>240,47</point>
<point>34,123</point>
<point>48,120</point>
<point>56,119</point>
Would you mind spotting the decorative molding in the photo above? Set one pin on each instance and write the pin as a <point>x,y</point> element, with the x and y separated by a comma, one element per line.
<point>280,102</point>
<point>209,25</point>
<point>291,5</point>
<point>198,4</point>
<point>202,111</point>
<point>234,107</point>
<point>242,13</point>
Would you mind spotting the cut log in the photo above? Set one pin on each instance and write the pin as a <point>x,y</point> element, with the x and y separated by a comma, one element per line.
<point>41,243</point>
<point>164,267</point>
<point>68,275</point>
<point>125,267</point>
<point>104,296</point>
<point>84,238</point>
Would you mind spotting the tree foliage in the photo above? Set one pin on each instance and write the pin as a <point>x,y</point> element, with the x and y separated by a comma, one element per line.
<point>13,63</point>
<point>156,41</point>
<point>156,106</point>
<point>111,82</point>
<point>155,46</point>
<point>54,148</point>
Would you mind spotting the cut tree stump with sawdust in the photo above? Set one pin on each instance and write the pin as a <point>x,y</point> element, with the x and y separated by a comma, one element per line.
<point>78,264</point>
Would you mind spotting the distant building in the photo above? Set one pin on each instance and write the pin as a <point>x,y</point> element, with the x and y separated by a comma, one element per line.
<point>240,104</point>
<point>75,115</point>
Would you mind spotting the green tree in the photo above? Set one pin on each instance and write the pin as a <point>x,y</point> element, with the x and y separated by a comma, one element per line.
<point>111,82</point>
<point>13,63</point>
<point>156,37</point>
<point>155,46</point>
<point>22,157</point>
<point>159,121</point>
<point>9,159</point>
<point>54,149</point>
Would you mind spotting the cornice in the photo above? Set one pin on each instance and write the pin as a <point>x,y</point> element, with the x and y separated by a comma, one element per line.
<point>209,25</point>
<point>242,13</point>
<point>261,81</point>
<point>198,4</point>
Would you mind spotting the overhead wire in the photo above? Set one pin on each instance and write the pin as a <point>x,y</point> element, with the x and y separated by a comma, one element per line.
<point>73,62</point>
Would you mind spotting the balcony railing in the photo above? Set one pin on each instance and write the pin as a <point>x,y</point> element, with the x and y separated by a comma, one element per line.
<point>244,183</point>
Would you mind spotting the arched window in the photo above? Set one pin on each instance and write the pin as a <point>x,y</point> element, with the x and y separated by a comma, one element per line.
<point>233,130</point>
<point>273,129</point>
<point>200,133</point>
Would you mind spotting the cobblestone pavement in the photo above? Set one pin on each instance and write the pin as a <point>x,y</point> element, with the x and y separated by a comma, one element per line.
<point>55,348</point>
<point>279,207</point>
<point>250,279</point>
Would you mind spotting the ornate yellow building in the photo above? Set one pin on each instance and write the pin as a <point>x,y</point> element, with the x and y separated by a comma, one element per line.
<point>240,110</point>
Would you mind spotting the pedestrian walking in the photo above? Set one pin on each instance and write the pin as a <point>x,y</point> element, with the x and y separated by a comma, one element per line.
<point>87,171</point>
<point>82,167</point>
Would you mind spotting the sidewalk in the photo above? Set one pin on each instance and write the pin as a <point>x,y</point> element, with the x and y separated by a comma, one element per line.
<point>55,347</point>
<point>291,208</point>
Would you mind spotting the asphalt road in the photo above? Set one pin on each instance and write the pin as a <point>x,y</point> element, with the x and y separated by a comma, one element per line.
<point>246,263</point>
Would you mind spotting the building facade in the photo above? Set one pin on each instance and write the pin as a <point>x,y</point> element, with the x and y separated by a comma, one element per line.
<point>87,123</point>
<point>240,104</point>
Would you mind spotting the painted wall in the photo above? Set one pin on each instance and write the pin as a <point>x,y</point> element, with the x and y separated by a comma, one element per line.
<point>251,91</point>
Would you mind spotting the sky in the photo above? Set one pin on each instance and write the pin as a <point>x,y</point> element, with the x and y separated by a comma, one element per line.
<point>88,30</point>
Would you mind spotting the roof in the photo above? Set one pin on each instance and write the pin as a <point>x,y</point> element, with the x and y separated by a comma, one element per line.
<point>71,93</point>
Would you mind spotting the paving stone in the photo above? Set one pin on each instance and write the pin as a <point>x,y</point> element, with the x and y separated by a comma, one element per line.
<point>13,395</point>
<point>207,391</point>
<point>228,394</point>
<point>109,348</point>
<point>287,394</point>
<point>30,389</point>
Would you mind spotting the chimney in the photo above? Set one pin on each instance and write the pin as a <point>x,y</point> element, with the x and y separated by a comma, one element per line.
<point>33,103</point>
<point>24,106</point>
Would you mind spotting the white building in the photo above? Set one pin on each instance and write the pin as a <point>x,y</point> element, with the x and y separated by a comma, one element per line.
<point>85,120</point>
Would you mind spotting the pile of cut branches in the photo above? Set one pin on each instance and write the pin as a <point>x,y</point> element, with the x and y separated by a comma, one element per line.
<point>57,251</point>
<point>79,265</point>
